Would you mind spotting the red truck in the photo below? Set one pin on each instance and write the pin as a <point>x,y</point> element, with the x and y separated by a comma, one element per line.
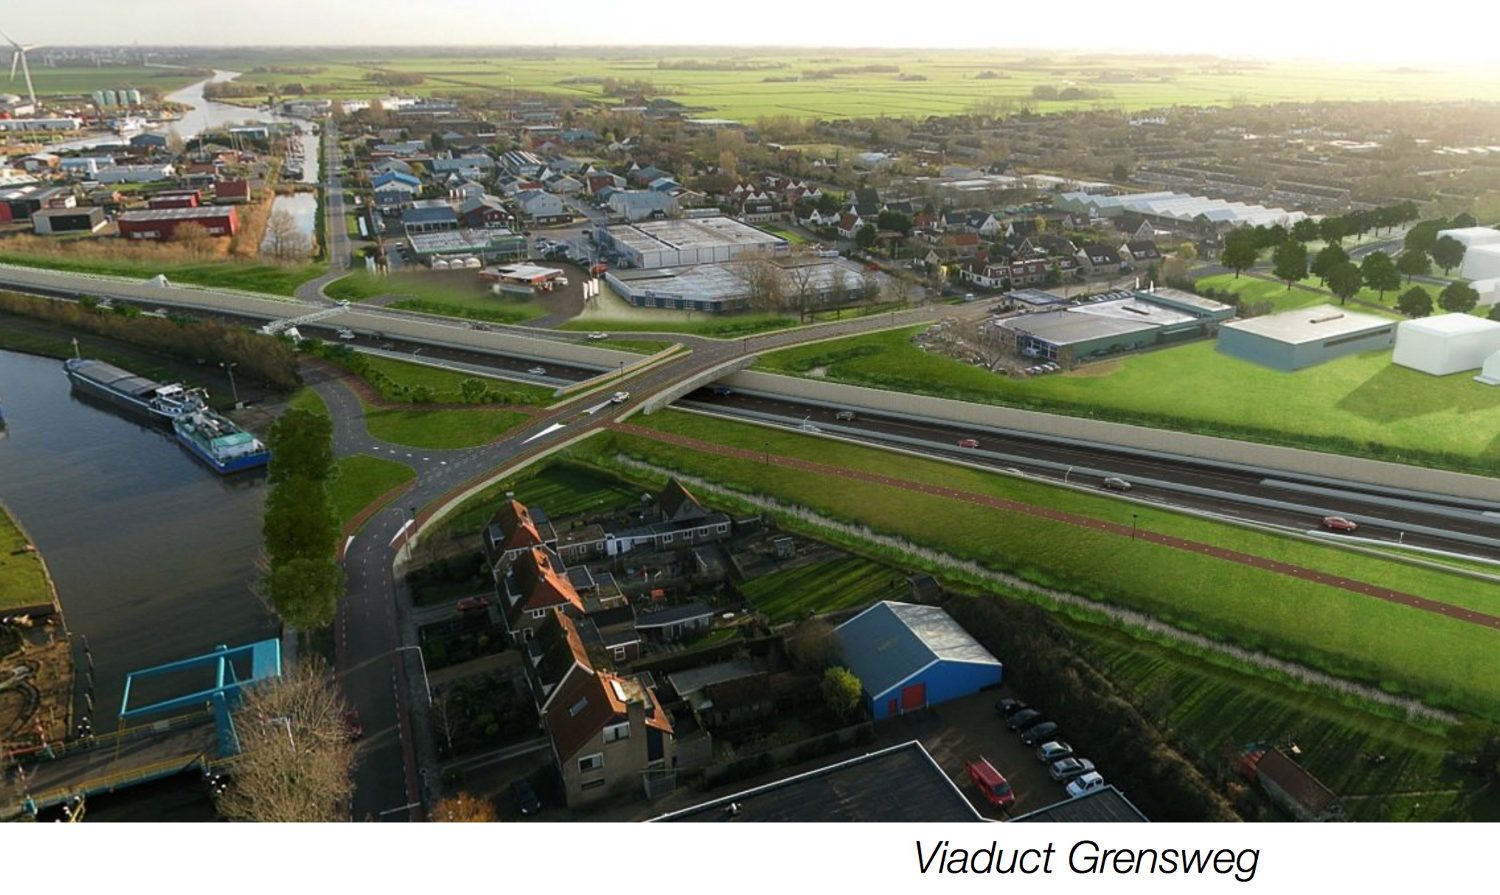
<point>991,783</point>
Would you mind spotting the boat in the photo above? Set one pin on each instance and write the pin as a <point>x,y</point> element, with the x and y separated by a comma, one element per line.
<point>162,403</point>
<point>221,444</point>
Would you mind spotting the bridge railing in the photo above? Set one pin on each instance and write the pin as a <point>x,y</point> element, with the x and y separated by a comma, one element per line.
<point>110,740</point>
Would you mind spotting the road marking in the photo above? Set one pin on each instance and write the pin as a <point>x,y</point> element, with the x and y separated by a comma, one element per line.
<point>555,427</point>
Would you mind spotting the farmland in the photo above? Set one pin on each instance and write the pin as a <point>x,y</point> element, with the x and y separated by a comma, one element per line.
<point>1359,404</point>
<point>747,85</point>
<point>82,80</point>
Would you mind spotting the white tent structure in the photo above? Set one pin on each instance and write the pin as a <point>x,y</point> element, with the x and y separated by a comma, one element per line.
<point>1481,262</point>
<point>1489,291</point>
<point>1472,236</point>
<point>1447,343</point>
<point>1490,375</point>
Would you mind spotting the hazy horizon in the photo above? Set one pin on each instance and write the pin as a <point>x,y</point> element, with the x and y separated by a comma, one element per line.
<point>1279,30</point>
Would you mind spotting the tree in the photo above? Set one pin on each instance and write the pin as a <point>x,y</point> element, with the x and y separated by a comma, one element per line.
<point>284,239</point>
<point>464,808</point>
<point>1187,251</point>
<point>1462,221</point>
<point>1421,237</point>
<point>828,203</point>
<point>1290,260</point>
<point>1240,252</point>
<point>1495,312</point>
<point>1414,302</point>
<point>1413,263</point>
<point>1119,172</point>
<point>301,443</point>
<point>812,646</point>
<point>1305,230</point>
<point>1447,253</point>
<point>299,520</point>
<point>296,762</point>
<point>1380,273</point>
<point>1458,298</point>
<point>894,220</point>
<point>194,239</point>
<point>865,237</point>
<point>175,144</point>
<point>1332,230</point>
<point>1327,258</point>
<point>842,691</point>
<point>1345,280</point>
<point>472,390</point>
<point>304,590</point>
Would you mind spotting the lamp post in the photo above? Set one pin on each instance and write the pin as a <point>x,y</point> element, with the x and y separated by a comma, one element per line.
<point>423,660</point>
<point>1132,525</point>
<point>233,389</point>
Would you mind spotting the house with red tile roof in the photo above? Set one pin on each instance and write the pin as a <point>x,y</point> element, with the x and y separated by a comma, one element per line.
<point>609,735</point>
<point>513,530</point>
<point>533,584</point>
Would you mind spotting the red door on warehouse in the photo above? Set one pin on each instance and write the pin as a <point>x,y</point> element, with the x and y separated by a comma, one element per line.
<point>913,698</point>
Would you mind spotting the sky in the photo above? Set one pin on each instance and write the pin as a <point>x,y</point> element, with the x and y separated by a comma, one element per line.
<point>1455,31</point>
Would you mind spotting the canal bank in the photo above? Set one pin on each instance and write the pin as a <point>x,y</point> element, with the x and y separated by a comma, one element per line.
<point>36,669</point>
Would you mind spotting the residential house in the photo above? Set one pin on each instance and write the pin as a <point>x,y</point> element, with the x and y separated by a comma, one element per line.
<point>513,530</point>
<point>563,185</point>
<point>554,655</point>
<point>683,522</point>
<point>391,165</point>
<point>643,176</point>
<point>466,189</point>
<point>232,191</point>
<point>957,246</point>
<point>675,623</point>
<point>1140,252</point>
<point>522,163</point>
<point>482,212</point>
<point>597,181</point>
<point>471,166</point>
<point>534,584</point>
<point>865,202</point>
<point>608,735</point>
<point>640,205</point>
<point>1098,259</point>
<point>541,207</point>
<point>849,224</point>
<point>429,216</point>
<point>612,632</point>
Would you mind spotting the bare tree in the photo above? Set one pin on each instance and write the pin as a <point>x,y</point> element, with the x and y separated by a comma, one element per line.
<point>869,288</point>
<point>195,239</point>
<point>296,762</point>
<point>800,286</point>
<point>901,289</point>
<point>175,144</point>
<point>762,280</point>
<point>284,239</point>
<point>812,646</point>
<point>464,808</point>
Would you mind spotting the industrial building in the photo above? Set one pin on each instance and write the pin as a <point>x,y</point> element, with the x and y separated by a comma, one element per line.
<point>1447,343</point>
<point>49,221</point>
<point>19,125</point>
<point>1115,323</point>
<point>1169,210</point>
<point>718,288</point>
<point>162,223</point>
<point>1305,337</point>
<point>440,248</point>
<point>522,279</point>
<point>680,243</point>
<point>909,657</point>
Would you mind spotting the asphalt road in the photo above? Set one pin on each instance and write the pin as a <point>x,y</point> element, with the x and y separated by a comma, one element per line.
<point>1237,492</point>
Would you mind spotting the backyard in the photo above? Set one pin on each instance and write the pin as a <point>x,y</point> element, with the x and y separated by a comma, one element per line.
<point>826,585</point>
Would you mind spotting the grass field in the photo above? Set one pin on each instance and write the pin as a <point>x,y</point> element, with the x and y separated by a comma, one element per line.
<point>824,586</point>
<point>276,279</point>
<point>72,81</point>
<point>362,478</point>
<point>437,292</point>
<point>446,385</point>
<point>23,580</point>
<point>1255,289</point>
<point>440,429</point>
<point>1360,404</point>
<point>931,82</point>
<point>1206,705</point>
<point>1421,653</point>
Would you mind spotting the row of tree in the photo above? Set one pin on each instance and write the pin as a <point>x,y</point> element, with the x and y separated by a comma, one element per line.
<point>303,579</point>
<point>797,287</point>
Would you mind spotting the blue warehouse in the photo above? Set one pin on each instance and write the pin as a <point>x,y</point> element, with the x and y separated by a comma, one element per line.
<point>910,657</point>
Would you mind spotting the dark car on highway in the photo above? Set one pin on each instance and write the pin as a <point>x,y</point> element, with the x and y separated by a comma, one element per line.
<point>1023,719</point>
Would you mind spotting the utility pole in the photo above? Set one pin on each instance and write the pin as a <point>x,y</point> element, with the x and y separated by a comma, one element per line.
<point>233,389</point>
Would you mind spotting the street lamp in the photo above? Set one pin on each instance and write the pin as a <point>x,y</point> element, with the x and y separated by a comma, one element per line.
<point>1133,517</point>
<point>233,389</point>
<point>766,445</point>
<point>423,660</point>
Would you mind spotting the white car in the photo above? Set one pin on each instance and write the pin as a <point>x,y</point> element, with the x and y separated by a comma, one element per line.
<point>598,337</point>
<point>620,397</point>
<point>538,371</point>
<point>346,334</point>
<point>1086,784</point>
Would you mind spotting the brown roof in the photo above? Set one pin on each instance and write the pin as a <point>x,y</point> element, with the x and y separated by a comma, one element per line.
<point>542,585</point>
<point>561,647</point>
<point>590,702</point>
<point>517,526</point>
<point>1295,781</point>
<point>232,189</point>
<point>675,498</point>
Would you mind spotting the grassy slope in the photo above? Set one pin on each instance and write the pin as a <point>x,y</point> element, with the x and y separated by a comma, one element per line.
<point>1356,404</point>
<point>1438,658</point>
<point>436,294</point>
<point>440,429</point>
<point>445,384</point>
<point>561,489</point>
<point>824,586</point>
<point>23,582</point>
<point>274,279</point>
<point>361,479</point>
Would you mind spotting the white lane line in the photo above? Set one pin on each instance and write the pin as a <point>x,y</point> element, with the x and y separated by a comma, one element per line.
<point>545,432</point>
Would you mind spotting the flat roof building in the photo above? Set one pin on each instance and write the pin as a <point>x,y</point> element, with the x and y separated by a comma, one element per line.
<point>717,288</point>
<point>1305,337</point>
<point>1116,322</point>
<point>1447,343</point>
<point>48,221</point>
<point>489,245</point>
<point>679,243</point>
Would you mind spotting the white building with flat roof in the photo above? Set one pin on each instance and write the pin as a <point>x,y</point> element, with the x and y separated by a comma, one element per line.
<point>1447,343</point>
<point>1305,337</point>
<point>679,243</point>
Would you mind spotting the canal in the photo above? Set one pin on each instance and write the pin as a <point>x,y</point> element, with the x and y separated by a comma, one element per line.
<point>153,553</point>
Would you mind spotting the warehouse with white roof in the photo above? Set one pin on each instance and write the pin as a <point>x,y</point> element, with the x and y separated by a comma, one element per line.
<point>1305,337</point>
<point>1178,209</point>
<point>1447,343</point>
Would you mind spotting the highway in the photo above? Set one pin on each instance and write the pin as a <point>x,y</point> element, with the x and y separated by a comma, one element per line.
<point>1296,503</point>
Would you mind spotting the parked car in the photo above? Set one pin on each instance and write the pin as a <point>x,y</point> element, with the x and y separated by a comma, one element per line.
<point>1009,706</point>
<point>1052,751</point>
<point>526,798</point>
<point>991,783</point>
<point>1085,784</point>
<point>968,442</point>
<point>346,334</point>
<point>620,397</point>
<point>1023,719</point>
<point>469,604</point>
<point>538,371</point>
<point>1066,769</point>
<point>1338,523</point>
<point>598,337</point>
<point>1040,733</point>
<point>844,415</point>
<point>1115,483</point>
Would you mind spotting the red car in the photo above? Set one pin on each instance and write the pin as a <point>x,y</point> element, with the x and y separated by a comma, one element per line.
<point>470,604</point>
<point>1338,523</point>
<point>991,783</point>
<point>968,442</point>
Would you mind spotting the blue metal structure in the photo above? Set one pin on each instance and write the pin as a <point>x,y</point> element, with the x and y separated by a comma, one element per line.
<point>264,658</point>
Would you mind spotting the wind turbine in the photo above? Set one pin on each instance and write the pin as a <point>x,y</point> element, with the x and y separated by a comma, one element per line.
<point>18,56</point>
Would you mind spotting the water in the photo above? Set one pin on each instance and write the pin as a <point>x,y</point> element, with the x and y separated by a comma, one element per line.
<point>303,207</point>
<point>153,553</point>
